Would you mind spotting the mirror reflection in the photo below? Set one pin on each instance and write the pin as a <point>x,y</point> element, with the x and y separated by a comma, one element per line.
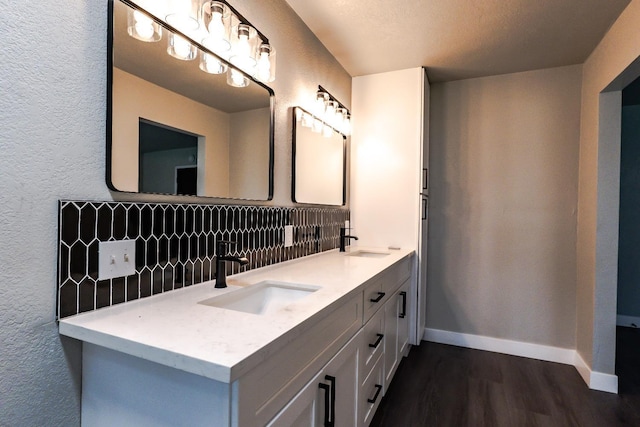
<point>178,130</point>
<point>319,164</point>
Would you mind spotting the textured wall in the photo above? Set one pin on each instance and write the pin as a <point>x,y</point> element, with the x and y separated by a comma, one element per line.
<point>629,243</point>
<point>504,172</point>
<point>52,133</point>
<point>611,62</point>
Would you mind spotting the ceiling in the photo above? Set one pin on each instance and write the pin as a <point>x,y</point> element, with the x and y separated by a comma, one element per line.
<point>458,39</point>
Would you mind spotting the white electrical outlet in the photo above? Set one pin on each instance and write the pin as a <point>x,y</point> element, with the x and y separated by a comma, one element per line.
<point>116,259</point>
<point>288,236</point>
<point>347,224</point>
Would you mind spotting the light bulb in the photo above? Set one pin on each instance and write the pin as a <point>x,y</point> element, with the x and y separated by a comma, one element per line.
<point>264,67</point>
<point>317,126</point>
<point>330,111</point>
<point>211,64</point>
<point>216,26</point>
<point>307,120</point>
<point>242,53</point>
<point>320,106</point>
<point>143,25</point>
<point>237,79</point>
<point>346,126</point>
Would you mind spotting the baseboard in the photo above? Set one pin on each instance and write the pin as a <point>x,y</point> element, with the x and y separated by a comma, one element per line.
<point>595,380</point>
<point>498,345</point>
<point>629,321</point>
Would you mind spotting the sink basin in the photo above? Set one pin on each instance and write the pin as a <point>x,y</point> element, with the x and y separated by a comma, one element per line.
<point>368,254</point>
<point>262,298</point>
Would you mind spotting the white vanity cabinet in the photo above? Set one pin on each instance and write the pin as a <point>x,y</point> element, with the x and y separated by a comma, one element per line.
<point>330,368</point>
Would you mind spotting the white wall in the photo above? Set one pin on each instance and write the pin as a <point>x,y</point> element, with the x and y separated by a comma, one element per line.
<point>504,170</point>
<point>52,146</point>
<point>611,66</point>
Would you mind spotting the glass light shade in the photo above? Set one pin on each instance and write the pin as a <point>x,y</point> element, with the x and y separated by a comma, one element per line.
<point>266,64</point>
<point>141,27</point>
<point>243,48</point>
<point>330,111</point>
<point>317,126</point>
<point>183,15</point>
<point>212,65</point>
<point>346,126</point>
<point>216,18</point>
<point>341,114</point>
<point>235,78</point>
<point>181,48</point>
<point>307,120</point>
<point>321,98</point>
<point>327,131</point>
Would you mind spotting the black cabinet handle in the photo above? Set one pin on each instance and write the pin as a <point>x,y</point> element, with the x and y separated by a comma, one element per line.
<point>327,397</point>
<point>404,305</point>
<point>377,343</point>
<point>375,397</point>
<point>332,417</point>
<point>378,298</point>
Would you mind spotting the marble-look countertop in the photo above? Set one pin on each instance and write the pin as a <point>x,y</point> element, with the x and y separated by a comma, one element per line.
<point>173,329</point>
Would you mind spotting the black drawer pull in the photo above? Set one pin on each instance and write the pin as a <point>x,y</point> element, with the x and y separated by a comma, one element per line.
<point>378,298</point>
<point>327,396</point>
<point>404,305</point>
<point>375,397</point>
<point>332,419</point>
<point>377,343</point>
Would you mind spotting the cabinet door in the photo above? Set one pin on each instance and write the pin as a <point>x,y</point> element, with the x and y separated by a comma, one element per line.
<point>396,331</point>
<point>302,410</point>
<point>403,320</point>
<point>330,398</point>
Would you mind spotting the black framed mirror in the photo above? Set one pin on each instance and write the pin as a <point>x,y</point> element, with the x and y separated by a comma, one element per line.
<point>174,129</point>
<point>319,162</point>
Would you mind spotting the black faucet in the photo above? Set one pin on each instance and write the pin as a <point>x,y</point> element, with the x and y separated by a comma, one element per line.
<point>343,237</point>
<point>221,257</point>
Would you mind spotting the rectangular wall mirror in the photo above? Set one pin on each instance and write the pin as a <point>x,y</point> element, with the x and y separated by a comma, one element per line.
<point>175,129</point>
<point>319,162</point>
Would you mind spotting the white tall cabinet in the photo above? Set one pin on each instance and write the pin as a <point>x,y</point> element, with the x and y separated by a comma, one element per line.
<point>389,171</point>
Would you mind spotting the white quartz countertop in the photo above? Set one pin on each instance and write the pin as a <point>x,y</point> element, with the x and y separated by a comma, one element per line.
<point>173,329</point>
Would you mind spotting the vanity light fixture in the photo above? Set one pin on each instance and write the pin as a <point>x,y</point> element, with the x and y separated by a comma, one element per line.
<point>328,115</point>
<point>240,50</point>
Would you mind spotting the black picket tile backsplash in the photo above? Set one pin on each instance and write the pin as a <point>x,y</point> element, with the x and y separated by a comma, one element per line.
<point>175,245</point>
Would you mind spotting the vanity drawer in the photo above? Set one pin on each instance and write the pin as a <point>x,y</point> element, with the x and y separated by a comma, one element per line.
<point>396,275</point>
<point>266,389</point>
<point>371,393</point>
<point>372,343</point>
<point>380,288</point>
<point>374,297</point>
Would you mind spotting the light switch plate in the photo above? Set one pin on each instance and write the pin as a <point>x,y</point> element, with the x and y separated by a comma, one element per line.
<point>288,236</point>
<point>116,259</point>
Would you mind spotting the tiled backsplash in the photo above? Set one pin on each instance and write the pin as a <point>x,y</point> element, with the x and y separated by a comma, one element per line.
<point>175,245</point>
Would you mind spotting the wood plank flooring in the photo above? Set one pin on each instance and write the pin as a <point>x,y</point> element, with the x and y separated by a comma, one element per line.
<point>441,385</point>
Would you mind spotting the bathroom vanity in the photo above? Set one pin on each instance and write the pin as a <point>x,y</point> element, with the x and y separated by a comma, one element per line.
<point>309,342</point>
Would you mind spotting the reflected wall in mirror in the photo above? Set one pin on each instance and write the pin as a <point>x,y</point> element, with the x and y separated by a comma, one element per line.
<point>174,129</point>
<point>319,162</point>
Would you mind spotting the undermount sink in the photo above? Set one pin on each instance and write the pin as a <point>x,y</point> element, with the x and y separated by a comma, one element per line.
<point>368,254</point>
<point>262,298</point>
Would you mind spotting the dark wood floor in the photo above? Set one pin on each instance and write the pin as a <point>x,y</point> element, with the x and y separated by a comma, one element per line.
<point>441,385</point>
